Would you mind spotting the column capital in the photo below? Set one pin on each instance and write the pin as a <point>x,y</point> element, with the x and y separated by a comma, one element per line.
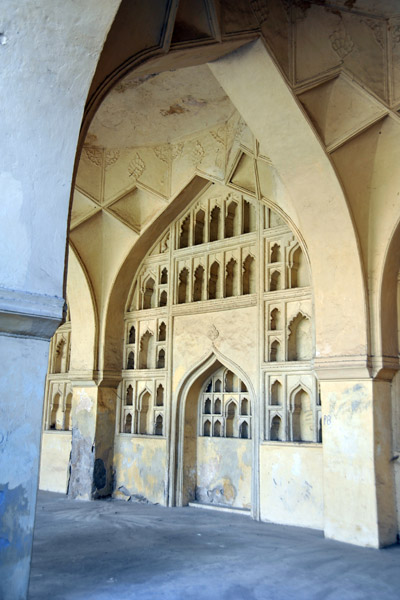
<point>356,367</point>
<point>29,315</point>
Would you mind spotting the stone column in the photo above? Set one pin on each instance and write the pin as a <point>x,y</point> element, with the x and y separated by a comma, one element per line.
<point>93,428</point>
<point>359,492</point>
<point>27,322</point>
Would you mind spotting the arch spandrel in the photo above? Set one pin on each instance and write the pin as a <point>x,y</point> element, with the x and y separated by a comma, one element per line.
<point>318,204</point>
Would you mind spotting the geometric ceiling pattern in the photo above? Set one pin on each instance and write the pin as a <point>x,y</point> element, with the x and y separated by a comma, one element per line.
<point>153,133</point>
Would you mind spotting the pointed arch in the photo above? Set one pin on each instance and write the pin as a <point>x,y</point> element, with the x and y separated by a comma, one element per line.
<point>198,286</point>
<point>302,427</point>
<point>192,382</point>
<point>300,341</point>
<point>148,292</point>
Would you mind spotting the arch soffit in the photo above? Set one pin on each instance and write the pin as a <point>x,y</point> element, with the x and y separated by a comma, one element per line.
<point>388,298</point>
<point>256,87</point>
<point>84,313</point>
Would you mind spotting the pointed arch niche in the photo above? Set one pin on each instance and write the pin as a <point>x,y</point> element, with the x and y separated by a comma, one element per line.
<point>214,429</point>
<point>220,262</point>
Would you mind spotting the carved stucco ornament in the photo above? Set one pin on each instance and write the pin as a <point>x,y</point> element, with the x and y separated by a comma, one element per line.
<point>213,333</point>
<point>341,43</point>
<point>136,167</point>
<point>260,10</point>
<point>198,153</point>
<point>111,157</point>
<point>95,155</point>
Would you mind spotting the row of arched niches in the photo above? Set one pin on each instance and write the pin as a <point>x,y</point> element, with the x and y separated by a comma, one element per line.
<point>224,252</point>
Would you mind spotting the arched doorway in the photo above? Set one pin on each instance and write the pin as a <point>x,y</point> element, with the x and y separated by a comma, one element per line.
<point>214,449</point>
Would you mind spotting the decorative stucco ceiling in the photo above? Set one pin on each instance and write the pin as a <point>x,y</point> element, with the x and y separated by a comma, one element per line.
<point>160,108</point>
<point>382,8</point>
<point>155,132</point>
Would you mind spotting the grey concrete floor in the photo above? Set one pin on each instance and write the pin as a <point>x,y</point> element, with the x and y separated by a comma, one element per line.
<point>113,549</point>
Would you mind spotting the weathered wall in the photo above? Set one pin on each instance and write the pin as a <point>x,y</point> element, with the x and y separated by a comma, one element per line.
<point>20,428</point>
<point>291,484</point>
<point>357,444</point>
<point>55,453</point>
<point>140,467</point>
<point>224,471</point>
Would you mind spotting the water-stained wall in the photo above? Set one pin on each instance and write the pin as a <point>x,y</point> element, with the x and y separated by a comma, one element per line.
<point>140,468</point>
<point>224,469</point>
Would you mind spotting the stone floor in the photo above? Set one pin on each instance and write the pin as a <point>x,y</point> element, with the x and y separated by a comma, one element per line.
<point>114,549</point>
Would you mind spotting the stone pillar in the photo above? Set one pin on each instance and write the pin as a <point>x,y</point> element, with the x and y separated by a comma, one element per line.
<point>93,428</point>
<point>359,493</point>
<point>27,322</point>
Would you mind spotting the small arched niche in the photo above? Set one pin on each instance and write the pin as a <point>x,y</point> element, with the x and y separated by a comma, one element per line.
<point>146,355</point>
<point>183,286</point>
<point>230,220</point>
<point>128,423</point>
<point>184,233</point>
<point>162,332</point>
<point>215,223</point>
<point>249,220</point>
<point>198,284</point>
<point>300,338</point>
<point>163,299</point>
<point>276,255</point>
<point>131,360</point>
<point>231,382</point>
<point>164,276</point>
<point>213,282</point>
<point>244,407</point>
<point>275,281</point>
<point>160,395</point>
<point>199,227</point>
<point>275,320</point>
<point>148,293</point>
<point>217,429</point>
<point>276,433</point>
<point>302,416</point>
<point>161,359</point>
<point>158,426</point>
<point>231,417</point>
<point>132,335</point>
<point>56,407</point>
<point>299,272</point>
<point>144,406</point>
<point>129,396</point>
<point>276,393</point>
<point>59,363</point>
<point>231,279</point>
<point>275,352</point>
<point>249,281</point>
<point>244,430</point>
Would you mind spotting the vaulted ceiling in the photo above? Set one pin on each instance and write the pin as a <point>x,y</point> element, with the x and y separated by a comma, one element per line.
<point>159,126</point>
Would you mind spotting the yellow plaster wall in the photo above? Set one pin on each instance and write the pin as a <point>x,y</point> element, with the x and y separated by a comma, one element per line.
<point>291,484</point>
<point>56,448</point>
<point>224,471</point>
<point>140,466</point>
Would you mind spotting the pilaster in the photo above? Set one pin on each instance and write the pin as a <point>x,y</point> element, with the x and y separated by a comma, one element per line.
<point>27,321</point>
<point>359,493</point>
